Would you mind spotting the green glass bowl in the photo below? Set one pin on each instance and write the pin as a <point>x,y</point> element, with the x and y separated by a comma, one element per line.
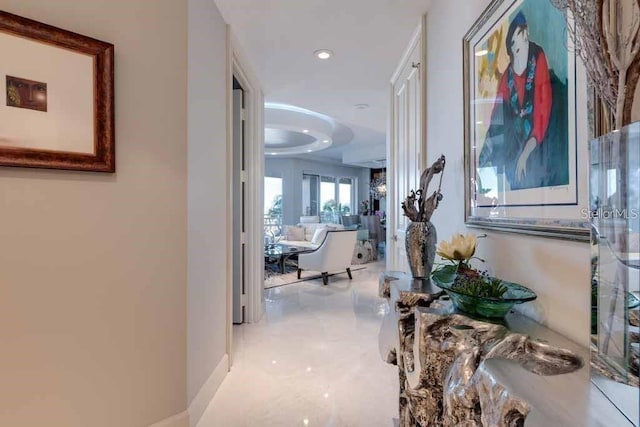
<point>484,306</point>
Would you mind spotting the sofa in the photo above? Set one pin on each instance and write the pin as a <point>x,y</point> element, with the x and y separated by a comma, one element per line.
<point>308,233</point>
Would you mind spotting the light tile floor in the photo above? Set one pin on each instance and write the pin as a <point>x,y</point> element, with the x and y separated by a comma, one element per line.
<point>313,360</point>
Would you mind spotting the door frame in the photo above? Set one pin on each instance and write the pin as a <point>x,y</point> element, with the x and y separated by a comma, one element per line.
<point>237,66</point>
<point>419,36</point>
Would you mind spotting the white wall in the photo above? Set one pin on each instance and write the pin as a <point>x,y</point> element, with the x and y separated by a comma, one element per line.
<point>291,170</point>
<point>93,267</point>
<point>557,270</point>
<point>208,219</point>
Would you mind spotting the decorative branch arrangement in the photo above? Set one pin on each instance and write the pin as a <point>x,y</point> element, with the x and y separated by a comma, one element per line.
<point>607,40</point>
<point>415,206</point>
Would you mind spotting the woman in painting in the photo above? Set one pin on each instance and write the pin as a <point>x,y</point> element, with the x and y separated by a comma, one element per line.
<point>522,140</point>
<point>23,93</point>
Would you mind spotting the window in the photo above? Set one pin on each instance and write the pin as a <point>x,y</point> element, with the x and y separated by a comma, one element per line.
<point>328,204</point>
<point>310,194</point>
<point>327,196</point>
<point>345,191</point>
<point>272,206</point>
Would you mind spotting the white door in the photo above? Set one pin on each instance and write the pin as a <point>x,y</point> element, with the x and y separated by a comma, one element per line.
<point>406,148</point>
<point>239,178</point>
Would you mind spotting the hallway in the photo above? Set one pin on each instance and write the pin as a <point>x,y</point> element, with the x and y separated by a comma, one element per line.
<point>312,360</point>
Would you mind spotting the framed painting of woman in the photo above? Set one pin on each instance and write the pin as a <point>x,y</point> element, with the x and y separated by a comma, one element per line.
<point>521,151</point>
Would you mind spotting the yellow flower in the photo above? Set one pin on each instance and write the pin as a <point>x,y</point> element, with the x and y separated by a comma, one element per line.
<point>459,248</point>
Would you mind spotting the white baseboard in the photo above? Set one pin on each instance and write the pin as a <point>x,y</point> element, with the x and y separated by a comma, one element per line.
<point>178,420</point>
<point>207,391</point>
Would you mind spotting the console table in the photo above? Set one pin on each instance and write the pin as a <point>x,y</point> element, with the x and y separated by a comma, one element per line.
<point>455,370</point>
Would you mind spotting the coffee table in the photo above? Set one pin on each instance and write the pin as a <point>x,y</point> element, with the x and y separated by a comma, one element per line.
<point>281,253</point>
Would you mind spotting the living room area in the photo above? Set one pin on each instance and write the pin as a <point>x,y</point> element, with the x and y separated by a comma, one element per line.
<point>305,199</point>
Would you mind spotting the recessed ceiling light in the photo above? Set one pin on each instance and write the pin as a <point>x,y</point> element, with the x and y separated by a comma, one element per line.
<point>308,151</point>
<point>361,106</point>
<point>482,52</point>
<point>326,141</point>
<point>323,54</point>
<point>305,130</point>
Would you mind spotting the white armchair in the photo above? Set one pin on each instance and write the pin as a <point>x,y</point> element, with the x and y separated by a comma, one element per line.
<point>333,255</point>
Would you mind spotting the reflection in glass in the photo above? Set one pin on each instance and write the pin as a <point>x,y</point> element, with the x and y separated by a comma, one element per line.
<point>615,264</point>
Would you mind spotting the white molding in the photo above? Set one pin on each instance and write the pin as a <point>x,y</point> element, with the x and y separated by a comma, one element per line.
<point>206,393</point>
<point>389,255</point>
<point>423,95</point>
<point>416,37</point>
<point>255,199</point>
<point>392,185</point>
<point>178,420</point>
<point>241,60</point>
<point>228,195</point>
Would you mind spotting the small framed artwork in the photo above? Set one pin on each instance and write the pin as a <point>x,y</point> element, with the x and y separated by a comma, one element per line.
<point>522,158</point>
<point>58,110</point>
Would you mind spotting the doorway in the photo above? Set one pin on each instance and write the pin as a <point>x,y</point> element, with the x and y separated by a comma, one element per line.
<point>239,203</point>
<point>245,105</point>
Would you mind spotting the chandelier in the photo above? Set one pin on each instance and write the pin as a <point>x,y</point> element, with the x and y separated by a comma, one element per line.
<point>378,187</point>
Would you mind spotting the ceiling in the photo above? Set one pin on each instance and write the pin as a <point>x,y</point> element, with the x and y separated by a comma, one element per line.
<point>367,37</point>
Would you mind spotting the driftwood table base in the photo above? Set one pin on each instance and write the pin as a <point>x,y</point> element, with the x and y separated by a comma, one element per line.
<point>458,371</point>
